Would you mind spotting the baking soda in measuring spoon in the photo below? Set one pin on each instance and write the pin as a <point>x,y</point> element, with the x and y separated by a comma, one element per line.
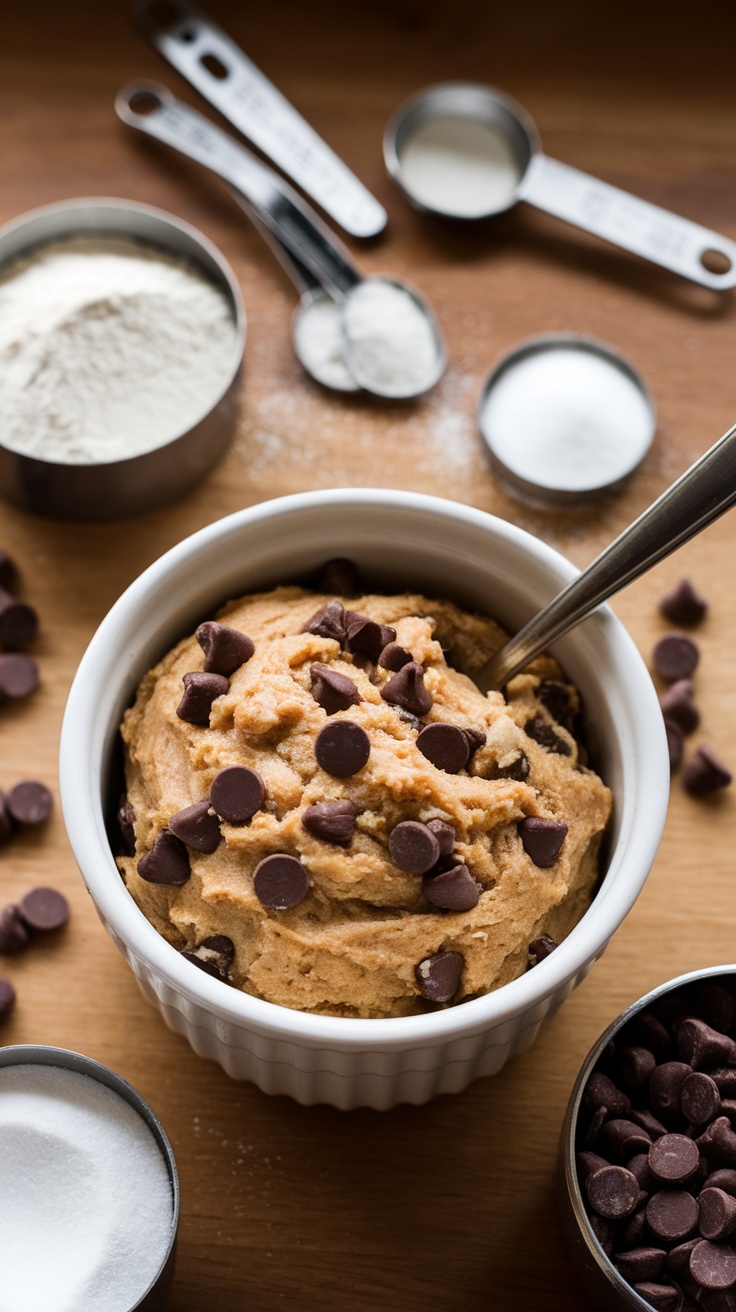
<point>459,167</point>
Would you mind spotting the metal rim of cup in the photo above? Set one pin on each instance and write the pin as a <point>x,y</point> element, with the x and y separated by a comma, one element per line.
<point>541,493</point>
<point>595,1269</point>
<point>38,1054</point>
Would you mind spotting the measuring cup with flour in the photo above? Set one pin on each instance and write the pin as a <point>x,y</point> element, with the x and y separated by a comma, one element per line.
<point>391,340</point>
<point>466,151</point>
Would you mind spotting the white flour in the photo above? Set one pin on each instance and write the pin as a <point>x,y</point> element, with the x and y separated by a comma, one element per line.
<point>107,349</point>
<point>392,345</point>
<point>459,166</point>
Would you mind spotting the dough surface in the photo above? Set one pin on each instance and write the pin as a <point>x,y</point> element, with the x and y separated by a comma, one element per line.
<point>351,947</point>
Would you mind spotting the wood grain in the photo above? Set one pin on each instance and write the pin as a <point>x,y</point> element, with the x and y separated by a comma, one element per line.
<point>451,1206</point>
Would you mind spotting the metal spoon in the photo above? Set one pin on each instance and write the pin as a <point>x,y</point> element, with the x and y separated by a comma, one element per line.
<point>152,109</point>
<point>696,499</point>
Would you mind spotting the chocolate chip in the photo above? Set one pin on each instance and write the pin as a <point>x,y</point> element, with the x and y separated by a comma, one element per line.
<point>665,1088</point>
<point>673,1158</point>
<point>517,769</point>
<point>413,847</point>
<point>197,826</point>
<point>13,933</point>
<point>596,1125</point>
<point>672,1214</point>
<point>541,947</point>
<point>214,955</point>
<point>200,691</point>
<point>604,1231</point>
<point>588,1163</point>
<point>649,1031</point>
<point>342,577</point>
<point>675,657</point>
<point>452,890</point>
<point>635,1065</point>
<point>717,1214</point>
<point>445,746</point>
<point>280,882</point>
<point>394,657</point>
<point>640,1263</point>
<point>476,738</point>
<point>406,689</point>
<point>678,706</point>
<point>683,604</point>
<point>724,1178</point>
<point>635,1233</point>
<point>7,997</point>
<point>364,637</point>
<point>700,1099</point>
<point>126,824</point>
<point>639,1166</point>
<point>600,1091</point>
<point>642,1117</point>
<point>30,802</point>
<point>725,1078</point>
<point>445,835</point>
<point>675,744</point>
<point>718,1006</point>
<point>700,1045</point>
<point>713,1265</point>
<point>18,623</point>
<point>718,1142</point>
<point>8,571</point>
<point>705,773</point>
<point>541,731</point>
<point>624,1138</point>
<point>18,676</point>
<point>43,909</point>
<point>333,822</point>
<point>438,977</point>
<point>225,649</point>
<point>167,862</point>
<point>542,839</point>
<point>663,1298</point>
<point>555,698</point>
<point>237,793</point>
<point>342,748</point>
<point>328,622</point>
<point>613,1192</point>
<point>333,691</point>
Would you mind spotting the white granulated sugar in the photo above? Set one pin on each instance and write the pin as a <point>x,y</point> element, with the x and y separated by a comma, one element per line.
<point>392,344</point>
<point>108,349</point>
<point>85,1199</point>
<point>459,166</point>
<point>319,344</point>
<point>567,419</point>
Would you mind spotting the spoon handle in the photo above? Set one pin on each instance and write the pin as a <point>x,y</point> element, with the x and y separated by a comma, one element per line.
<point>699,496</point>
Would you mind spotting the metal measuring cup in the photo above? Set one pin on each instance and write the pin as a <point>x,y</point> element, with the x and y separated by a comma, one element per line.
<point>635,225</point>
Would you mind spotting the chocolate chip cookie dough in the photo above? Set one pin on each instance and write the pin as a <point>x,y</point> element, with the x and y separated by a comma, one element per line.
<point>324,811</point>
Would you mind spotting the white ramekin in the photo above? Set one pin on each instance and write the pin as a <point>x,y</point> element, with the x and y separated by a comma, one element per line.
<point>400,540</point>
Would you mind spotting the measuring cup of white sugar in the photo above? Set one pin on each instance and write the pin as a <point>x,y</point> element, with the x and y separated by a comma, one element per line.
<point>566,419</point>
<point>466,151</point>
<point>89,1192</point>
<point>122,332</point>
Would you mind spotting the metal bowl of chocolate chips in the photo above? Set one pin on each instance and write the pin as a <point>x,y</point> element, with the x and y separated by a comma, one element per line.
<point>649,1152</point>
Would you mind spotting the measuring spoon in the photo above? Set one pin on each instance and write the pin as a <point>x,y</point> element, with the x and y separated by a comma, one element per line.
<point>152,109</point>
<point>524,173</point>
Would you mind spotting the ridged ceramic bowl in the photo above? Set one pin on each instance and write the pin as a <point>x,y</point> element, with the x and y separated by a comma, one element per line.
<point>399,540</point>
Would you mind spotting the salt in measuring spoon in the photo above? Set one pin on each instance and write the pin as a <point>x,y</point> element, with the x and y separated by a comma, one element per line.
<point>152,109</point>
<point>519,171</point>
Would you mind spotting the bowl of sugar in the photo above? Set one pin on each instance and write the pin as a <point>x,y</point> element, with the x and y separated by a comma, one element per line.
<point>122,332</point>
<point>89,1193</point>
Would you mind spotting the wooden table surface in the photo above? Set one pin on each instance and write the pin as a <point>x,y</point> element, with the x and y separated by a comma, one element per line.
<point>449,1206</point>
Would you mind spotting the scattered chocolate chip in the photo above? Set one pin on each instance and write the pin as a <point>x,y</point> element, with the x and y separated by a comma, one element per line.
<point>280,882</point>
<point>333,691</point>
<point>663,1298</point>
<point>406,689</point>
<point>713,1265</point>
<point>13,933</point>
<point>613,1192</point>
<point>517,769</point>
<point>640,1264</point>
<point>717,1210</point>
<point>705,773</point>
<point>673,1158</point>
<point>700,1045</point>
<point>675,744</point>
<point>43,909</point>
<point>7,997</point>
<point>541,731</point>
<point>342,748</point>
<point>700,1099</point>
<point>678,706</point>
<point>555,698</point>
<point>476,738</point>
<point>665,1088</point>
<point>364,637</point>
<point>197,826</point>
<point>167,862</point>
<point>438,977</point>
<point>237,793</point>
<point>542,839</point>
<point>225,649</point>
<point>126,824</point>
<point>413,847</point>
<point>340,576</point>
<point>672,1214</point>
<point>675,657</point>
<point>200,691</point>
<point>333,822</point>
<point>18,676</point>
<point>214,955</point>
<point>445,746</point>
<point>541,947</point>
<point>635,1065</point>
<point>328,622</point>
<point>8,571</point>
<point>394,657</point>
<point>683,604</point>
<point>18,623</point>
<point>445,835</point>
<point>30,802</point>
<point>452,890</point>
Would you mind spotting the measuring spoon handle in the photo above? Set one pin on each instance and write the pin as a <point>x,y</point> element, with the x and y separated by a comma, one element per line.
<point>705,491</point>
<point>629,222</point>
<point>151,108</point>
